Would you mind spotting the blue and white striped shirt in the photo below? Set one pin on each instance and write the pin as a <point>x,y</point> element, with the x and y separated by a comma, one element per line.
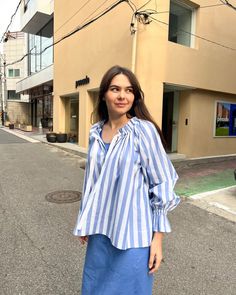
<point>128,189</point>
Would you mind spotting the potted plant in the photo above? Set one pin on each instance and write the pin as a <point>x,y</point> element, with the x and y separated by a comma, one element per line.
<point>61,137</point>
<point>11,126</point>
<point>51,137</point>
<point>72,137</point>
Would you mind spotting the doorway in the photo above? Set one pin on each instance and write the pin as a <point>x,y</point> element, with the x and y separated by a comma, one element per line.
<point>170,112</point>
<point>71,104</point>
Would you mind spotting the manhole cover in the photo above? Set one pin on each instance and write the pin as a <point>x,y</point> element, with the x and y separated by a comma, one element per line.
<point>66,196</point>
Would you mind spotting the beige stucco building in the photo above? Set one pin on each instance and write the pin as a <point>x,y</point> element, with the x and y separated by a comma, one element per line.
<point>184,56</point>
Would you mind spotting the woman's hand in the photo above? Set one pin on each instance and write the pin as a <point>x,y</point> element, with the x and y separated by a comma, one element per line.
<point>83,239</point>
<point>155,252</point>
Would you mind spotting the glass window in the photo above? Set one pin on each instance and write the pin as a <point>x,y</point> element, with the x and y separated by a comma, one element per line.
<point>40,57</point>
<point>10,73</point>
<point>13,73</point>
<point>11,94</point>
<point>17,73</point>
<point>180,23</point>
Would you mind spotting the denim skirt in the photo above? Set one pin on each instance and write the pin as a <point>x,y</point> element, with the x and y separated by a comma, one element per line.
<point>111,271</point>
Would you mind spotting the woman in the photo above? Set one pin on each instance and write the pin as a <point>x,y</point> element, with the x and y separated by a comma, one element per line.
<point>128,189</point>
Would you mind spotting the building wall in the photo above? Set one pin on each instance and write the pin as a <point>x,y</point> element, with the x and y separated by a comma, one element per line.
<point>19,112</point>
<point>156,62</point>
<point>198,137</point>
<point>13,50</point>
<point>90,51</point>
<point>206,66</point>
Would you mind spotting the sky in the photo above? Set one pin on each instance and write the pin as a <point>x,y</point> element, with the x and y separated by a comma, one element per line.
<point>7,9</point>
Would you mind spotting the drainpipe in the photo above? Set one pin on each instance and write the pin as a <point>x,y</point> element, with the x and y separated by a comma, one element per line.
<point>134,46</point>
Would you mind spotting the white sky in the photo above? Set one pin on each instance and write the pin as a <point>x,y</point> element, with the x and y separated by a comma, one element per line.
<point>7,9</point>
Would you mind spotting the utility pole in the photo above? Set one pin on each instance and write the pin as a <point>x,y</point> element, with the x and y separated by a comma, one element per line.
<point>1,94</point>
<point>3,89</point>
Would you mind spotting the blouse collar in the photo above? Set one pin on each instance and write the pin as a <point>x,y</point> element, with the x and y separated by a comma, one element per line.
<point>123,130</point>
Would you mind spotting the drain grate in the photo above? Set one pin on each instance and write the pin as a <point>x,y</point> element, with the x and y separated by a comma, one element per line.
<point>66,196</point>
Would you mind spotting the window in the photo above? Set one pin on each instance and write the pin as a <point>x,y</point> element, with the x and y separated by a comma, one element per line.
<point>10,73</point>
<point>17,72</point>
<point>11,94</point>
<point>40,59</point>
<point>13,73</point>
<point>180,23</point>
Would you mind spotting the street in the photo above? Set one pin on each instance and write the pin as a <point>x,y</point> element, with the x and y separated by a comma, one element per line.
<point>39,254</point>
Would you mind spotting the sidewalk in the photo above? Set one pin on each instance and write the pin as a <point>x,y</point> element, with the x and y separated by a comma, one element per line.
<point>196,176</point>
<point>40,136</point>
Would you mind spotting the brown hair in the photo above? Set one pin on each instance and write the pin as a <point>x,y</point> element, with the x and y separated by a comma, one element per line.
<point>138,108</point>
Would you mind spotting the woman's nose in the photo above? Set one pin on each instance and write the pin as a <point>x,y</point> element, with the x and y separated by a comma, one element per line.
<point>122,94</point>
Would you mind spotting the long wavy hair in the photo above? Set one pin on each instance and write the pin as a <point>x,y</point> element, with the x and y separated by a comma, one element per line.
<point>138,108</point>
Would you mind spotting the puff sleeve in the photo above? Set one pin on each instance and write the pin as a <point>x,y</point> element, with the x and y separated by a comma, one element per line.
<point>159,174</point>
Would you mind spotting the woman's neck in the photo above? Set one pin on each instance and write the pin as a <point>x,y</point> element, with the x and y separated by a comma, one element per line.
<point>117,122</point>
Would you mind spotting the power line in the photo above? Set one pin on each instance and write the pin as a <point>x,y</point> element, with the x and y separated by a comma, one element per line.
<point>197,36</point>
<point>11,21</point>
<point>200,7</point>
<point>77,29</point>
<point>72,16</point>
<point>97,10</point>
<point>212,5</point>
<point>226,2</point>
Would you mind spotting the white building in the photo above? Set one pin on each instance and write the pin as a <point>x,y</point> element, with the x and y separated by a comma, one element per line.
<point>16,105</point>
<point>37,21</point>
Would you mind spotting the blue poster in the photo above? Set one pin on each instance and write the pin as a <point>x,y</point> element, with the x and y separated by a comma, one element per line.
<point>225,119</point>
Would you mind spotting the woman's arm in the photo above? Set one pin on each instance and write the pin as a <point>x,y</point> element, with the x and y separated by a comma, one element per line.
<point>155,257</point>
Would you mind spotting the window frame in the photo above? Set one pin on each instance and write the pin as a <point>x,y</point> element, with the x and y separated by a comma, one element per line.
<point>193,8</point>
<point>17,96</point>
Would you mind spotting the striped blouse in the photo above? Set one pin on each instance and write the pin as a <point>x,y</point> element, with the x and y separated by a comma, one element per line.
<point>128,189</point>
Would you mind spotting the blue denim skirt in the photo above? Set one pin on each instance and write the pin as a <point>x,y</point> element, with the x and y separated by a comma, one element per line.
<point>111,271</point>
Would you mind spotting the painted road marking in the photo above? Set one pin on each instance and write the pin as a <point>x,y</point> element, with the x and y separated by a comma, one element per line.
<point>205,194</point>
<point>220,206</point>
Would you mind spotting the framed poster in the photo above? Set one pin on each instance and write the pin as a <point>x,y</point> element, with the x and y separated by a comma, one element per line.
<point>225,121</point>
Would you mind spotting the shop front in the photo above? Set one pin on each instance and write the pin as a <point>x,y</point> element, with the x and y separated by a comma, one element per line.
<point>41,99</point>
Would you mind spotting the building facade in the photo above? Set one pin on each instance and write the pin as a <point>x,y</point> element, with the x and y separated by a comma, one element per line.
<point>16,106</point>
<point>182,52</point>
<point>37,22</point>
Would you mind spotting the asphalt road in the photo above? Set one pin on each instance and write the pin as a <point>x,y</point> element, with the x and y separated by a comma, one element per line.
<point>39,255</point>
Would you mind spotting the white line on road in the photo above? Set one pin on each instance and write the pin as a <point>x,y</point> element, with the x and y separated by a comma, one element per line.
<point>205,194</point>
<point>218,205</point>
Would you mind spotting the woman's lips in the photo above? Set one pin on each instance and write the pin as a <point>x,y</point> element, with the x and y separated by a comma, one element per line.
<point>120,104</point>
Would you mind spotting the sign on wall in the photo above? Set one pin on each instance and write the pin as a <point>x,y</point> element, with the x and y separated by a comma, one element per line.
<point>225,119</point>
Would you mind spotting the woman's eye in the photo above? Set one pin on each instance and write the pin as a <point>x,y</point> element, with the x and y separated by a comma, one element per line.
<point>114,89</point>
<point>130,90</point>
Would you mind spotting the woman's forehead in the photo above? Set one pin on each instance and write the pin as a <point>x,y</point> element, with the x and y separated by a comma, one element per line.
<point>120,79</point>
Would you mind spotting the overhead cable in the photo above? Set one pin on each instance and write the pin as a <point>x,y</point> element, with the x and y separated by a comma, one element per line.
<point>6,31</point>
<point>72,16</point>
<point>197,36</point>
<point>77,29</point>
<point>226,2</point>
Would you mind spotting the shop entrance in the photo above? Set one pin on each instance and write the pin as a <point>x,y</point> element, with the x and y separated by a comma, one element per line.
<point>72,118</point>
<point>170,111</point>
<point>42,111</point>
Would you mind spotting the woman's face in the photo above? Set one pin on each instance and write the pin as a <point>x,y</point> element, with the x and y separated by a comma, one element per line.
<point>119,96</point>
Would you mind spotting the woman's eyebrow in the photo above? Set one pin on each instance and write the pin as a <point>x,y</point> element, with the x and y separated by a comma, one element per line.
<point>113,86</point>
<point>120,86</point>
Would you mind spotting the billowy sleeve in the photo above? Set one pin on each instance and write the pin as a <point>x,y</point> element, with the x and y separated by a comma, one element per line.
<point>160,176</point>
